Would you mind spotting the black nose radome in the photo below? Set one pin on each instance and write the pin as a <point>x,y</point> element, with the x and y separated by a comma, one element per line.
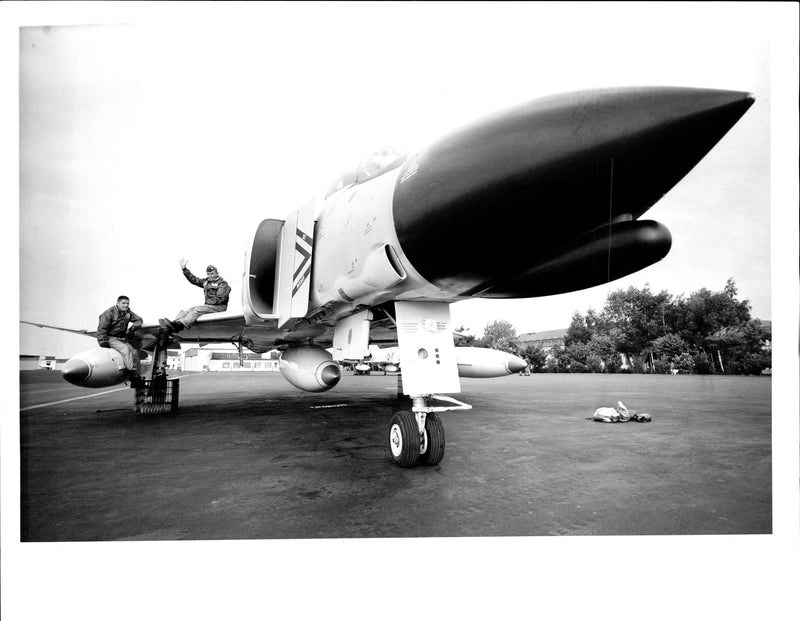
<point>504,196</point>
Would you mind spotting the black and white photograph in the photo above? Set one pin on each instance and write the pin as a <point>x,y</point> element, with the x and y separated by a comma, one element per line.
<point>318,299</point>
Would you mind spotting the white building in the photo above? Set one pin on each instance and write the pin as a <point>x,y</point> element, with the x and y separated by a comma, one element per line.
<point>42,363</point>
<point>215,357</point>
<point>547,339</point>
<point>221,357</point>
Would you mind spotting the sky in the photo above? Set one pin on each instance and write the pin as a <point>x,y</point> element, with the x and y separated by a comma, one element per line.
<point>142,140</point>
<point>153,132</point>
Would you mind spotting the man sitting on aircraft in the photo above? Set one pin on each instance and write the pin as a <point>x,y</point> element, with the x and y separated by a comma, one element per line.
<point>113,332</point>
<point>216,292</point>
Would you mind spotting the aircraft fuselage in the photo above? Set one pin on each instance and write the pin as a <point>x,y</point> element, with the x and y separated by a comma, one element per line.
<point>540,199</point>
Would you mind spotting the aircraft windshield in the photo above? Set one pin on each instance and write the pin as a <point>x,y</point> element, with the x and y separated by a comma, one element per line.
<point>377,163</point>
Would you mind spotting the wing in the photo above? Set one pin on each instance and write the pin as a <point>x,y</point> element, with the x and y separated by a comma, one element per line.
<point>229,327</point>
<point>222,327</point>
<point>212,328</point>
<point>232,328</point>
<point>44,325</point>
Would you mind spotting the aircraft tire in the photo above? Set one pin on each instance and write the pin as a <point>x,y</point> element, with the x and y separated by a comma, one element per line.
<point>435,445</point>
<point>404,439</point>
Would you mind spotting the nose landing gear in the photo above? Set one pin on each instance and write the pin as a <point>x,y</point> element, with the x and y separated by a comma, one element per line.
<point>417,437</point>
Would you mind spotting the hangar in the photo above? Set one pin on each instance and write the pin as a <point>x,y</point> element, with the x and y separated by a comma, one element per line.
<point>221,357</point>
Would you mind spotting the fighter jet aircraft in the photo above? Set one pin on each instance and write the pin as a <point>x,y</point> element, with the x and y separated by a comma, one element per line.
<point>543,198</point>
<point>381,359</point>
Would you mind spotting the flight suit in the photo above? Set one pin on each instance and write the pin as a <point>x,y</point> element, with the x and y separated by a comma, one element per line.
<point>112,330</point>
<point>216,293</point>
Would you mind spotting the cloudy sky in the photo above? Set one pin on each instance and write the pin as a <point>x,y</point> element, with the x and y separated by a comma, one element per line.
<point>144,140</point>
<point>150,132</point>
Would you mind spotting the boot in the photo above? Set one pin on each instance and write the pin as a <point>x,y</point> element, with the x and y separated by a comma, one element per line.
<point>135,379</point>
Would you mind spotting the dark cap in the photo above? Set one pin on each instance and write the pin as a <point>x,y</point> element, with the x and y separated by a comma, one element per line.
<point>211,268</point>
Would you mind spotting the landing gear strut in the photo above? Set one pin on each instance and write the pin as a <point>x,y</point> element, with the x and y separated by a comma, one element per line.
<point>418,436</point>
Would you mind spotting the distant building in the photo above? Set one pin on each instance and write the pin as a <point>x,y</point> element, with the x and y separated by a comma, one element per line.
<point>547,340</point>
<point>174,359</point>
<point>42,363</point>
<point>216,357</point>
<point>222,357</point>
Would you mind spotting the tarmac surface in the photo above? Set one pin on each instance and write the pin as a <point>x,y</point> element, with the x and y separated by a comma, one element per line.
<point>248,456</point>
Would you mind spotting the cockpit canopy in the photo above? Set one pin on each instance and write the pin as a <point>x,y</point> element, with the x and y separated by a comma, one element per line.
<point>377,163</point>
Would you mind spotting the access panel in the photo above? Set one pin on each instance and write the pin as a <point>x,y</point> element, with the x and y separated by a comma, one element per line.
<point>427,354</point>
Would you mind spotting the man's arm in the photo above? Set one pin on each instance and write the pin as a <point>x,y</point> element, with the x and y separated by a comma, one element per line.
<point>135,320</point>
<point>102,329</point>
<point>192,278</point>
<point>189,276</point>
<point>224,290</point>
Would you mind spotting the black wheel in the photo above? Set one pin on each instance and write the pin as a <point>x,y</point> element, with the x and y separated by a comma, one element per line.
<point>435,441</point>
<point>404,439</point>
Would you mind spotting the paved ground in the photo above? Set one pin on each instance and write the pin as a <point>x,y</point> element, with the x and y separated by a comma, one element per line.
<point>249,457</point>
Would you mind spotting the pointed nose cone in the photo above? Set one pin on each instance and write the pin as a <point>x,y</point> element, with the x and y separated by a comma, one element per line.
<point>516,364</point>
<point>76,371</point>
<point>330,375</point>
<point>507,193</point>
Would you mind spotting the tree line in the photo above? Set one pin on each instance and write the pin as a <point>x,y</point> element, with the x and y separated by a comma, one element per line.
<point>638,331</point>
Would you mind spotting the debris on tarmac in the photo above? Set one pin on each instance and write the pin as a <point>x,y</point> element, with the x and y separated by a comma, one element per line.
<point>620,414</point>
